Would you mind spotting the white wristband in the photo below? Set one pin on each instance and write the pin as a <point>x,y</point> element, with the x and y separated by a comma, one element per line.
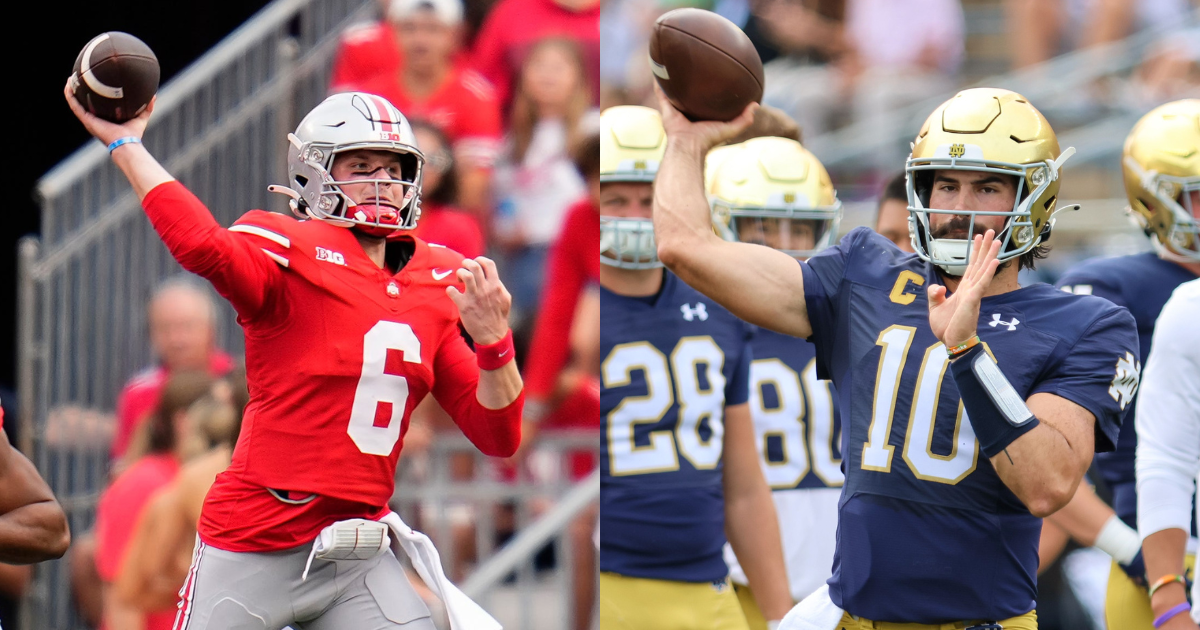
<point>1118,540</point>
<point>773,625</point>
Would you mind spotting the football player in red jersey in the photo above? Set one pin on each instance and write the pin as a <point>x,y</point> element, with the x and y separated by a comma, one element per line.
<point>346,331</point>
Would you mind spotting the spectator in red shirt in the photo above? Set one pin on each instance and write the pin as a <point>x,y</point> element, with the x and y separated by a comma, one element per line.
<point>122,502</point>
<point>183,318</point>
<point>572,270</point>
<point>513,28</point>
<point>366,49</point>
<point>536,180</point>
<point>430,86</point>
<point>441,222</point>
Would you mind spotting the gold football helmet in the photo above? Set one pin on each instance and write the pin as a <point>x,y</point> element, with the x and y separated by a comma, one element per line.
<point>994,131</point>
<point>773,192</point>
<point>1161,166</point>
<point>632,143</point>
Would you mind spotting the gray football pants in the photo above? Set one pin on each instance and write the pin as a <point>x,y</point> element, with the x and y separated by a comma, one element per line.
<point>227,590</point>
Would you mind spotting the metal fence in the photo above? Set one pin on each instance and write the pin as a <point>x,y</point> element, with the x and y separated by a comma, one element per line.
<point>465,502</point>
<point>220,127</point>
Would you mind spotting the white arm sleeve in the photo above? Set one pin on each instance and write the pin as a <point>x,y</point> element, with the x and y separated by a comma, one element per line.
<point>1168,417</point>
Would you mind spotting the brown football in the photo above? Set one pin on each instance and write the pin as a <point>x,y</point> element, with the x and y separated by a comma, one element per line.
<point>115,76</point>
<point>705,64</point>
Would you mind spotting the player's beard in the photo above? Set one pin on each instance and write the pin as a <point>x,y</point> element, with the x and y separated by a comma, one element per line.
<point>957,227</point>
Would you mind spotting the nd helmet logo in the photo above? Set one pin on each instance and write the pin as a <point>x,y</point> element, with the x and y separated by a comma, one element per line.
<point>639,165</point>
<point>957,150</point>
<point>789,197</point>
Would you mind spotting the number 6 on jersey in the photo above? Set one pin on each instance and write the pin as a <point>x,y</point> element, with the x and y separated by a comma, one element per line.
<point>376,387</point>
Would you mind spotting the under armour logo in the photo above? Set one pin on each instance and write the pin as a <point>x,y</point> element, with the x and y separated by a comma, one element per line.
<point>690,313</point>
<point>996,321</point>
<point>1125,382</point>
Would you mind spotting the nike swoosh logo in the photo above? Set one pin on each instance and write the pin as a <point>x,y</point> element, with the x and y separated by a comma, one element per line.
<point>439,276</point>
<point>502,353</point>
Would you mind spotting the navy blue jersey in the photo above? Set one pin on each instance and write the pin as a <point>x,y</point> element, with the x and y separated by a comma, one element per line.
<point>796,425</point>
<point>928,533</point>
<point>671,366</point>
<point>1141,283</point>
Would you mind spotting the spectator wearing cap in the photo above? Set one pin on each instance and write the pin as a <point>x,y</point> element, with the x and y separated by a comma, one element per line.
<point>183,320</point>
<point>441,222</point>
<point>513,28</point>
<point>536,180</point>
<point>430,86</point>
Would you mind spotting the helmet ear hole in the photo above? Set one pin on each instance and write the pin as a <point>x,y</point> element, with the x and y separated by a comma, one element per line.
<point>302,180</point>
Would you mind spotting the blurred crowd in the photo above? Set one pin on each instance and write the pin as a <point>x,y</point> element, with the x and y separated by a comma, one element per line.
<point>503,99</point>
<point>830,63</point>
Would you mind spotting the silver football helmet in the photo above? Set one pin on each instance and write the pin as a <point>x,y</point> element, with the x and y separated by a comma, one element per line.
<point>346,122</point>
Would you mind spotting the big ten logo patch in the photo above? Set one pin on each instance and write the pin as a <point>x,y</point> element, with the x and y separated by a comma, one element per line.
<point>329,255</point>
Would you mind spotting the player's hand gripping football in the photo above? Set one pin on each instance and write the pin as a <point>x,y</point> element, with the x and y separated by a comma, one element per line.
<point>708,133</point>
<point>484,305</point>
<point>956,318</point>
<point>104,131</point>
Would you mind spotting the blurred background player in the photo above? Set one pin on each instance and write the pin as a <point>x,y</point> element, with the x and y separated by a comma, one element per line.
<point>773,192</point>
<point>890,339</point>
<point>1168,460</point>
<point>891,215</point>
<point>679,471</point>
<point>33,527</point>
<point>1161,167</point>
<point>354,163</point>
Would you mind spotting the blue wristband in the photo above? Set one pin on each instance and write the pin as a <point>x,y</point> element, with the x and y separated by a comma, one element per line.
<point>996,416</point>
<point>126,140</point>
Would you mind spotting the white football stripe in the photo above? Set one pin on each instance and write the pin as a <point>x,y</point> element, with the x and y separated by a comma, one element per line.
<point>85,72</point>
<point>283,262</point>
<point>274,237</point>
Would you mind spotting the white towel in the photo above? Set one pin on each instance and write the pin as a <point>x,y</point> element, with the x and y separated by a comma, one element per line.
<point>464,614</point>
<point>816,612</point>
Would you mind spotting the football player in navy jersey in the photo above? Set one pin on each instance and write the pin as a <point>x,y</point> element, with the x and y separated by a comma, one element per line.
<point>678,468</point>
<point>773,192</point>
<point>971,406</point>
<point>1161,168</point>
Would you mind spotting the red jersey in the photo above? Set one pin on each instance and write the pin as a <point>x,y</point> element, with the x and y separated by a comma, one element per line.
<point>141,394</point>
<point>464,107</point>
<point>573,262</point>
<point>453,228</point>
<point>338,353</point>
<point>365,50</point>
<point>514,26</point>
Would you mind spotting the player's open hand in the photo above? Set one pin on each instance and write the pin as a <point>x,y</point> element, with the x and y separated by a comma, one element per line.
<point>103,130</point>
<point>484,305</point>
<point>956,318</point>
<point>708,133</point>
